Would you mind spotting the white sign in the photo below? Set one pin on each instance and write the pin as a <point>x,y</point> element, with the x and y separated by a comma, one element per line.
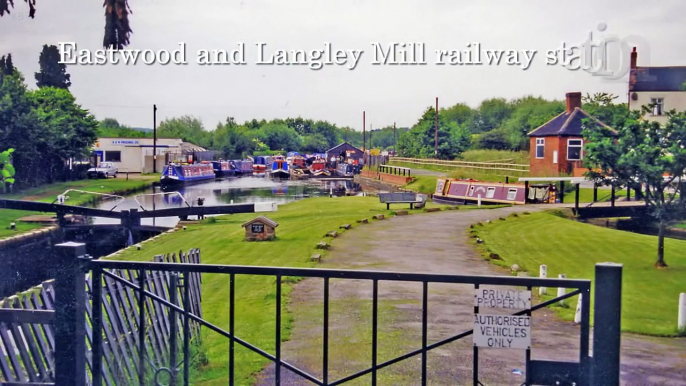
<point>501,298</point>
<point>125,142</point>
<point>502,331</point>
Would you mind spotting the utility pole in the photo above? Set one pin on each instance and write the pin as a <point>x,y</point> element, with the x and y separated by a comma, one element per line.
<point>154,138</point>
<point>394,137</point>
<point>436,145</point>
<point>364,133</point>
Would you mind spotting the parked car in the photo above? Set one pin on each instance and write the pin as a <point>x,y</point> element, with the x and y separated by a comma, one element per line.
<point>104,170</point>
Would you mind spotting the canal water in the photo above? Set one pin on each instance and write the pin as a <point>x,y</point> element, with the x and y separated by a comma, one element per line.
<point>226,191</point>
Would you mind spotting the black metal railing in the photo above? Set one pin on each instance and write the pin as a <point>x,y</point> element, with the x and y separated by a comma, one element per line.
<point>580,371</point>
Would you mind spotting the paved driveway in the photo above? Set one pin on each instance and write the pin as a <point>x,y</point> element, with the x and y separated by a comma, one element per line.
<point>436,243</point>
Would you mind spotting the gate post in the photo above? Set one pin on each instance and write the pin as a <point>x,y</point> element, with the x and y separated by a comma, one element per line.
<point>607,320</point>
<point>70,315</point>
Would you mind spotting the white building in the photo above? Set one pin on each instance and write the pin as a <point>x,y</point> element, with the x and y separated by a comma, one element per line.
<point>663,86</point>
<point>135,155</point>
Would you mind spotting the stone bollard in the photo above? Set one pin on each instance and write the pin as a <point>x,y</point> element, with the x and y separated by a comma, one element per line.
<point>561,291</point>
<point>682,311</point>
<point>543,273</point>
<point>577,313</point>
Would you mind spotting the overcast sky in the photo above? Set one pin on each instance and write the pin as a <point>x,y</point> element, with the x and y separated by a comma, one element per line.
<point>387,93</point>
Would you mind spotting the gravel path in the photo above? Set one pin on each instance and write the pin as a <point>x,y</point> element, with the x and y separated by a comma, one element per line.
<point>435,243</point>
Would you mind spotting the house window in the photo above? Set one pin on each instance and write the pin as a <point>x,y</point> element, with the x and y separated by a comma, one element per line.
<point>490,192</point>
<point>658,105</point>
<point>540,148</point>
<point>511,194</point>
<point>113,156</point>
<point>574,147</point>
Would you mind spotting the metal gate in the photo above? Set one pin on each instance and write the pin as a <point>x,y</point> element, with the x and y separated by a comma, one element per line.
<point>586,371</point>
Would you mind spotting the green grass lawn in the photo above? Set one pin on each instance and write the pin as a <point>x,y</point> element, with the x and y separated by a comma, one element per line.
<point>649,295</point>
<point>301,226</point>
<point>484,155</point>
<point>423,184</point>
<point>49,192</point>
<point>681,225</point>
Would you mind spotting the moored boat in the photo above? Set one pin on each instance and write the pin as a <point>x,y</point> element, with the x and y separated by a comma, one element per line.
<point>178,174</point>
<point>345,170</point>
<point>280,168</point>
<point>242,166</point>
<point>223,168</point>
<point>453,191</point>
<point>318,168</point>
<point>261,163</point>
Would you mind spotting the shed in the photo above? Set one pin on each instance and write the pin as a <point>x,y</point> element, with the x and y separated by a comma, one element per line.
<point>260,228</point>
<point>557,147</point>
<point>346,150</point>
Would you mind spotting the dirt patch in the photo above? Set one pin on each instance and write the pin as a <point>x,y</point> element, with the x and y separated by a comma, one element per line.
<point>434,243</point>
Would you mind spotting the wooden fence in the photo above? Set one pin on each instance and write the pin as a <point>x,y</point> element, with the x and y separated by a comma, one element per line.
<point>485,166</point>
<point>27,340</point>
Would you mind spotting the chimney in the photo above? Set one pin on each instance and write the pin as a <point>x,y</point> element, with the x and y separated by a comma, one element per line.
<point>634,59</point>
<point>573,101</point>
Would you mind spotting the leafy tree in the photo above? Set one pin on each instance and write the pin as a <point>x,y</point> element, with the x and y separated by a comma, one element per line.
<point>7,171</point>
<point>234,141</point>
<point>278,136</point>
<point>110,127</point>
<point>188,128</point>
<point>459,113</point>
<point>490,114</point>
<point>644,154</point>
<point>419,141</point>
<point>527,114</point>
<point>602,107</point>
<point>52,73</point>
<point>315,143</point>
<point>117,28</point>
<point>497,139</point>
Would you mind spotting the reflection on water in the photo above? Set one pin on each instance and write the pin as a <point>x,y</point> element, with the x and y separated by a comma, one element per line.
<point>227,191</point>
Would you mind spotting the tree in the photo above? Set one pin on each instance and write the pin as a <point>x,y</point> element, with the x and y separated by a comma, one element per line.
<point>234,141</point>
<point>490,115</point>
<point>642,154</point>
<point>459,113</point>
<point>527,114</point>
<point>6,169</point>
<point>188,128</point>
<point>117,28</point>
<point>278,136</point>
<point>419,141</point>
<point>495,139</point>
<point>52,73</point>
<point>602,107</point>
<point>6,66</point>
<point>110,127</point>
<point>69,130</point>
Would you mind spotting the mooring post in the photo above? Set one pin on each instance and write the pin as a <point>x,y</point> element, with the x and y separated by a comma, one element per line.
<point>607,320</point>
<point>681,323</point>
<point>543,273</point>
<point>576,200</point>
<point>562,192</point>
<point>595,192</point>
<point>70,315</point>
<point>612,199</point>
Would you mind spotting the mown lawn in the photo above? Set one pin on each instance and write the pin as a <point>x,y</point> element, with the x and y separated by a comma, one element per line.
<point>650,295</point>
<point>301,226</point>
<point>49,192</point>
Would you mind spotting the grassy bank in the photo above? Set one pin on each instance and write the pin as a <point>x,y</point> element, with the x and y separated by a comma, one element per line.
<point>49,192</point>
<point>649,302</point>
<point>504,156</point>
<point>301,226</point>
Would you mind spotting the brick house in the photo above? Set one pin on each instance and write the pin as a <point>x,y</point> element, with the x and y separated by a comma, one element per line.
<point>556,147</point>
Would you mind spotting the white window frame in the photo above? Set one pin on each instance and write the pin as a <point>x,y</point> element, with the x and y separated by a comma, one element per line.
<point>580,146</point>
<point>512,194</point>
<point>659,108</point>
<point>540,142</point>
<point>490,192</point>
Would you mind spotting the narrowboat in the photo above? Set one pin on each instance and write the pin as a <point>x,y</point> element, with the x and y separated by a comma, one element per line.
<point>345,170</point>
<point>280,168</point>
<point>318,168</point>
<point>452,191</point>
<point>298,162</point>
<point>177,174</point>
<point>223,168</point>
<point>261,163</point>
<point>242,166</point>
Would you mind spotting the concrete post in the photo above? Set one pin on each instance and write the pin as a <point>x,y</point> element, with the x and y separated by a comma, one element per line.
<point>479,201</point>
<point>543,273</point>
<point>607,320</point>
<point>577,313</point>
<point>70,315</point>
<point>682,311</point>
<point>561,291</point>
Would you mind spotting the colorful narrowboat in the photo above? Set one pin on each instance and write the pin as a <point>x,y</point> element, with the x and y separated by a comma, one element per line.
<point>177,174</point>
<point>451,191</point>
<point>318,168</point>
<point>280,168</point>
<point>242,166</point>
<point>298,162</point>
<point>261,163</point>
<point>223,169</point>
